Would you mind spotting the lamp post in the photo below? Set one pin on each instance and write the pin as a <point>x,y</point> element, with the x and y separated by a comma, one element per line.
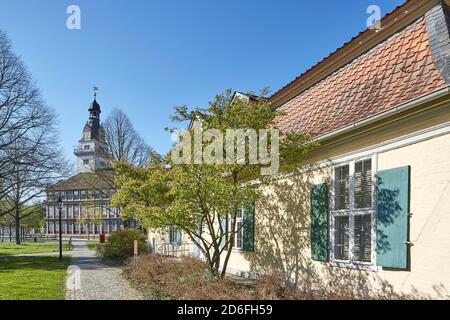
<point>59,205</point>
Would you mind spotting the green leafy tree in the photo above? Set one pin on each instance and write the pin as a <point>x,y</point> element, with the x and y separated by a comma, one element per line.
<point>36,219</point>
<point>198,197</point>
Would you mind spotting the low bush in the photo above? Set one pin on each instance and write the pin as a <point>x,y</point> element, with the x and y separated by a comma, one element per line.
<point>180,279</point>
<point>159,277</point>
<point>120,245</point>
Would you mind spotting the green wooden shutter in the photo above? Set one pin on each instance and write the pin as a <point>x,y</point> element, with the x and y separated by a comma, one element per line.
<point>393,216</point>
<point>319,222</point>
<point>249,228</point>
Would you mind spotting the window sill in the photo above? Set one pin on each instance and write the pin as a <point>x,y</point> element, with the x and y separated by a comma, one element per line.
<point>354,265</point>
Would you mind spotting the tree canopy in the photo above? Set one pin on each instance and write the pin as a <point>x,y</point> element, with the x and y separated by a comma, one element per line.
<point>205,199</point>
<point>30,154</point>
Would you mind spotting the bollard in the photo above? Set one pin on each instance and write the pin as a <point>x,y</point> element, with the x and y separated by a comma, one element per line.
<point>135,251</point>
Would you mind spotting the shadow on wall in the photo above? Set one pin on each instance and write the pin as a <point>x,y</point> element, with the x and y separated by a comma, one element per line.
<point>387,200</point>
<point>282,243</point>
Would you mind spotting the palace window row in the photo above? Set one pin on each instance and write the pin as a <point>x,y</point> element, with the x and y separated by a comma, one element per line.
<point>70,211</point>
<point>80,195</point>
<point>71,227</point>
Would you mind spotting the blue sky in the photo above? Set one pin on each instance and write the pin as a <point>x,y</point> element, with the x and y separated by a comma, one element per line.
<point>148,56</point>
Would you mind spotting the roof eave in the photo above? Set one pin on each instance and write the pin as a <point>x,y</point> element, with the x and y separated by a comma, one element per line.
<point>386,114</point>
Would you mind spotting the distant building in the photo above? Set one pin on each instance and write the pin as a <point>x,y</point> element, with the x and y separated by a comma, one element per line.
<point>85,196</point>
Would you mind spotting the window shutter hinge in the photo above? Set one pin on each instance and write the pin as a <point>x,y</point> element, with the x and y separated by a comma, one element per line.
<point>409,243</point>
<point>410,214</point>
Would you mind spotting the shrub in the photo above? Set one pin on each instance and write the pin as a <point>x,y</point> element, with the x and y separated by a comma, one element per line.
<point>180,279</point>
<point>120,245</point>
<point>269,286</point>
<point>158,277</point>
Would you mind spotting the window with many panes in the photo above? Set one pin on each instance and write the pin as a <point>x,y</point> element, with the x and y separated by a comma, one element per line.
<point>51,211</point>
<point>76,211</point>
<point>104,209</point>
<point>174,235</point>
<point>352,215</point>
<point>69,211</point>
<point>239,237</point>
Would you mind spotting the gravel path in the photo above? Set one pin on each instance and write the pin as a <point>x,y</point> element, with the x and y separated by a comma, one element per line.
<point>89,279</point>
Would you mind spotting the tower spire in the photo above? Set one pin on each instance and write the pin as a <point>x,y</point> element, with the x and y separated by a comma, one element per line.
<point>92,153</point>
<point>95,89</point>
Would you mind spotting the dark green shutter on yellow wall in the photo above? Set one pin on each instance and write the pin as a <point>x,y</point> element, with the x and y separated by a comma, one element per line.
<point>393,218</point>
<point>319,222</point>
<point>249,229</point>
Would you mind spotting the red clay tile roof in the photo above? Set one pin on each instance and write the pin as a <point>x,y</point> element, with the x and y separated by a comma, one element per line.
<point>396,71</point>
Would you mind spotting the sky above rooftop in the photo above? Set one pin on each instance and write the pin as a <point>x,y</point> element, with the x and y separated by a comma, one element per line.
<point>149,56</point>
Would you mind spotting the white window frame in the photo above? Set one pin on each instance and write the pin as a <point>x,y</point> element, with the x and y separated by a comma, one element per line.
<point>173,233</point>
<point>51,211</point>
<point>352,212</point>
<point>239,219</point>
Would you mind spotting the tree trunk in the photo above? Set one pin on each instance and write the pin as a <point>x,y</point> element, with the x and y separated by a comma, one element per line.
<point>17,230</point>
<point>214,267</point>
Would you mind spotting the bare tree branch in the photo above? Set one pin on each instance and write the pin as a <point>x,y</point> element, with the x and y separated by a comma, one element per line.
<point>124,143</point>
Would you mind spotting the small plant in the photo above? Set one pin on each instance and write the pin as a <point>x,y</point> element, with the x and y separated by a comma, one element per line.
<point>120,245</point>
<point>269,286</point>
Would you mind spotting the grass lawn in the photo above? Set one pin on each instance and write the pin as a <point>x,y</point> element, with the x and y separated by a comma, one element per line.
<point>7,248</point>
<point>93,245</point>
<point>33,278</point>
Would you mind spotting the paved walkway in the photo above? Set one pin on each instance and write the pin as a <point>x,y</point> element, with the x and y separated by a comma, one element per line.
<point>89,279</point>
